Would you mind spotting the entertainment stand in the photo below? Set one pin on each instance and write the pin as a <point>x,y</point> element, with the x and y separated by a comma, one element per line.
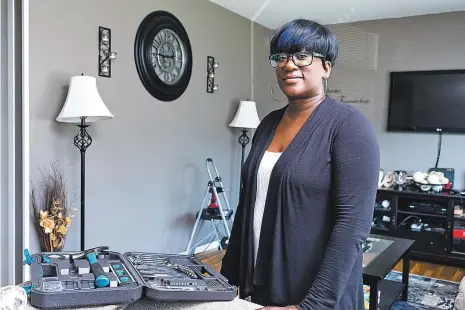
<point>428,218</point>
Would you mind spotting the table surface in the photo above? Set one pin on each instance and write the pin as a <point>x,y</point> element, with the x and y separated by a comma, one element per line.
<point>392,250</point>
<point>147,304</point>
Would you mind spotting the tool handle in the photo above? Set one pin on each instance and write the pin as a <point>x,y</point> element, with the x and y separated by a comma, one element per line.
<point>101,279</point>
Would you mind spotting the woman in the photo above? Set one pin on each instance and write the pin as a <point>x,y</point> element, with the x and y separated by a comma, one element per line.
<point>309,187</point>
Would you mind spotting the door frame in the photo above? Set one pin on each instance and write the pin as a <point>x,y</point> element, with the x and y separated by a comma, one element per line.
<point>14,140</point>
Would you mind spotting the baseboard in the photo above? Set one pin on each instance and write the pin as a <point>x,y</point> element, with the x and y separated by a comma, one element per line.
<point>205,247</point>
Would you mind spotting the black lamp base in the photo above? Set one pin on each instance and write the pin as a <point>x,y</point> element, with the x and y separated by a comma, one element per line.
<point>82,141</point>
<point>243,141</point>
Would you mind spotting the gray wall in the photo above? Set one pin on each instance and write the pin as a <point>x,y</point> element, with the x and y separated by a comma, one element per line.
<point>264,75</point>
<point>146,167</point>
<point>417,43</point>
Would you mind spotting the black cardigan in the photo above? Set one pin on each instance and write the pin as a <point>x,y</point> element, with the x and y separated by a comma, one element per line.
<point>318,212</point>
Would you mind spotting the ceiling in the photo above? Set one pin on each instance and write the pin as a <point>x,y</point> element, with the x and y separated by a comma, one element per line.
<point>274,13</point>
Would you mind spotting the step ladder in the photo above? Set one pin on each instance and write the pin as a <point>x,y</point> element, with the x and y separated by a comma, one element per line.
<point>213,211</point>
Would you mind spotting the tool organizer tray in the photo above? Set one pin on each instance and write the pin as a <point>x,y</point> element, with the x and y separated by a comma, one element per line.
<point>180,277</point>
<point>59,280</point>
<point>57,283</point>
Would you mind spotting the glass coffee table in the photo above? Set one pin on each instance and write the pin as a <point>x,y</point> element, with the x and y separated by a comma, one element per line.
<point>381,255</point>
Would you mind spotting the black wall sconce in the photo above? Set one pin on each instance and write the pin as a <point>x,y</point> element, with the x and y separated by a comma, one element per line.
<point>211,66</point>
<point>105,53</point>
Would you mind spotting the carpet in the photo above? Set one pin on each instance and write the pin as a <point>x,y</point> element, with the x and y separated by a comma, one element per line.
<point>426,293</point>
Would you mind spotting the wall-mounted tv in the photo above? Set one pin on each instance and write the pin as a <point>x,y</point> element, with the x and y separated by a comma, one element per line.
<point>427,101</point>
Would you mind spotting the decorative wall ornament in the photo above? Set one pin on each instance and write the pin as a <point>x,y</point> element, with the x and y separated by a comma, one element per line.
<point>105,53</point>
<point>211,66</point>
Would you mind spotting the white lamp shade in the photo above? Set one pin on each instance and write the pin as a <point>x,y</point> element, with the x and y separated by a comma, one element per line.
<point>246,116</point>
<point>83,100</point>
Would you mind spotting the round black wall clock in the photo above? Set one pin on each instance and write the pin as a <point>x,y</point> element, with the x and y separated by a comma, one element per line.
<point>163,56</point>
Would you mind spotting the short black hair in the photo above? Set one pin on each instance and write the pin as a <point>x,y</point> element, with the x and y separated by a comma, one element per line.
<point>305,35</point>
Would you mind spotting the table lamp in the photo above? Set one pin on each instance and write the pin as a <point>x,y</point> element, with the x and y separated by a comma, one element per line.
<point>83,105</point>
<point>246,118</point>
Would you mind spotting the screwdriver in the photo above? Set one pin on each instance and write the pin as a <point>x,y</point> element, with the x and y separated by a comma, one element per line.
<point>101,279</point>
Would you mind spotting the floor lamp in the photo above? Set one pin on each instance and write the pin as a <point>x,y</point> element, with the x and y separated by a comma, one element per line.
<point>83,105</point>
<point>246,118</point>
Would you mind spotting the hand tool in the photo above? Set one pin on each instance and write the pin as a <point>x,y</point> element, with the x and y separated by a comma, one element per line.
<point>156,269</point>
<point>73,270</point>
<point>177,288</point>
<point>101,279</point>
<point>114,271</point>
<point>47,258</point>
<point>148,260</point>
<point>156,275</point>
<point>128,273</point>
<point>184,269</point>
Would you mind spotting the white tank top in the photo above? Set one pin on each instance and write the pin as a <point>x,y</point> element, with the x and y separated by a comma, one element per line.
<point>263,179</point>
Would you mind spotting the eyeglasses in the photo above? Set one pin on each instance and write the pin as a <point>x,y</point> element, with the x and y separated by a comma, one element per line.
<point>299,59</point>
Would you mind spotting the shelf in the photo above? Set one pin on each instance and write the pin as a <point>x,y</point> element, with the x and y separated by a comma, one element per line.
<point>429,245</point>
<point>414,192</point>
<point>423,214</point>
<point>390,291</point>
<point>424,233</point>
<point>380,228</point>
<point>383,210</point>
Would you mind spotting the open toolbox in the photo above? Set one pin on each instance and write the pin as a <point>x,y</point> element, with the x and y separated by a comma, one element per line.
<point>102,277</point>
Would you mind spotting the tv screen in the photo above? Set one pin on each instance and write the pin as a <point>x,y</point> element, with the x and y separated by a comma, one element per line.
<point>427,101</point>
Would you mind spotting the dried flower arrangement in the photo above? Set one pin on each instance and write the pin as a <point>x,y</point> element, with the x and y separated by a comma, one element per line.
<point>52,215</point>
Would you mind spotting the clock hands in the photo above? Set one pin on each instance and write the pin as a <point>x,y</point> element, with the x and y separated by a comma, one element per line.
<point>166,56</point>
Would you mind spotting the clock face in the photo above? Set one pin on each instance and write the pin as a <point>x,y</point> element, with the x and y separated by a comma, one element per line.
<point>163,56</point>
<point>168,56</point>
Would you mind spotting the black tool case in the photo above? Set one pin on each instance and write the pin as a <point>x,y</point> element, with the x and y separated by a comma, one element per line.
<point>56,283</point>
